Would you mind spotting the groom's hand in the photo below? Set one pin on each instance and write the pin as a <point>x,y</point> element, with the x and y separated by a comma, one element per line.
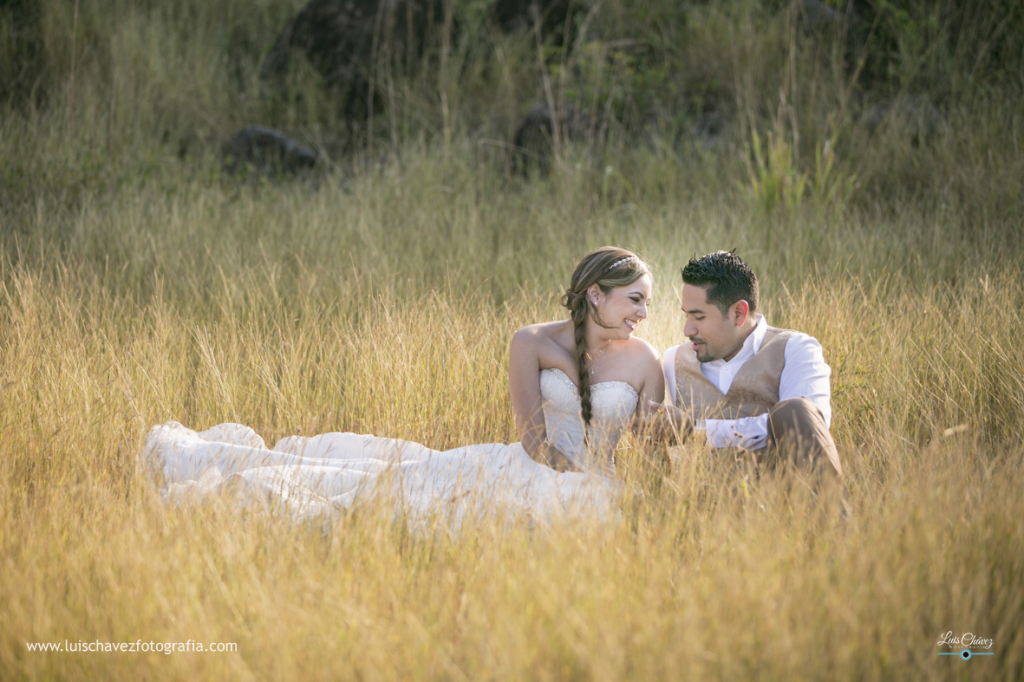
<point>665,422</point>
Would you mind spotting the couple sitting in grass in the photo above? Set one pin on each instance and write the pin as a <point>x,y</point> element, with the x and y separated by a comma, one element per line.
<point>759,394</point>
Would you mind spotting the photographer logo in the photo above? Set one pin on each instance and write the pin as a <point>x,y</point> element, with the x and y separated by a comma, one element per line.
<point>968,643</point>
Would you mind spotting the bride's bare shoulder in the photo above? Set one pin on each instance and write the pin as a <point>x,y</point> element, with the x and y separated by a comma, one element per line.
<point>643,351</point>
<point>547,341</point>
<point>544,332</point>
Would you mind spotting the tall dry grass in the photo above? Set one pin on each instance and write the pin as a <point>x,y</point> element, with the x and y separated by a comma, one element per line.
<point>282,309</point>
<point>138,285</point>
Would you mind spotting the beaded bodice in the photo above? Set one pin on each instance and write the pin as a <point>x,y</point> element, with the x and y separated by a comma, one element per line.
<point>613,403</point>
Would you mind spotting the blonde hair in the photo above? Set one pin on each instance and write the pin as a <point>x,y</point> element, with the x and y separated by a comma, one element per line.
<point>608,267</point>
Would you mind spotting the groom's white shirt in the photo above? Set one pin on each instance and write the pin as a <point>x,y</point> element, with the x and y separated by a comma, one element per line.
<point>805,375</point>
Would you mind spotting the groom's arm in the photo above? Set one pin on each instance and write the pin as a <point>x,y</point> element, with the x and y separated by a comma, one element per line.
<point>805,375</point>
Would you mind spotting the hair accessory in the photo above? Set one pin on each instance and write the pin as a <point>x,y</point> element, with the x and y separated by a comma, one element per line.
<point>621,261</point>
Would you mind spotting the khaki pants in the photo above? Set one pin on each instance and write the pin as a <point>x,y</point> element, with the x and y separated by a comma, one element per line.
<point>799,437</point>
<point>798,443</point>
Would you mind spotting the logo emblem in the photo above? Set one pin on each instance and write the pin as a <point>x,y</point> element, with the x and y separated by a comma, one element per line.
<point>966,640</point>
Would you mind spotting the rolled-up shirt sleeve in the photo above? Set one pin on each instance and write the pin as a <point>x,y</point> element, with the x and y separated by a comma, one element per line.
<point>806,375</point>
<point>749,433</point>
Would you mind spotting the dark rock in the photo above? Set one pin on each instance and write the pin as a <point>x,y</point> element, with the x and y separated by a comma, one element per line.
<point>345,40</point>
<point>710,130</point>
<point>267,151</point>
<point>516,15</point>
<point>816,16</point>
<point>914,117</point>
<point>534,138</point>
<point>23,58</point>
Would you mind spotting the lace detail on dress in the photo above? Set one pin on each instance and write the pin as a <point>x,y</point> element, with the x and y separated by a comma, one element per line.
<point>613,403</point>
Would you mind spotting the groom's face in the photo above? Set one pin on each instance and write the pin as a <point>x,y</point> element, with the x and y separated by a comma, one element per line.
<point>713,335</point>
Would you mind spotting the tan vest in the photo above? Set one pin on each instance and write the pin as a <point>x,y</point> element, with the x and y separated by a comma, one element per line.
<point>754,390</point>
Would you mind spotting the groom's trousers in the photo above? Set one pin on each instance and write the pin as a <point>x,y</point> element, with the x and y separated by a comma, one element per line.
<point>798,442</point>
<point>798,436</point>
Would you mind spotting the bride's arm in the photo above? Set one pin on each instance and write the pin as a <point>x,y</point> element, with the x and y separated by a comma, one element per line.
<point>653,389</point>
<point>527,404</point>
<point>656,417</point>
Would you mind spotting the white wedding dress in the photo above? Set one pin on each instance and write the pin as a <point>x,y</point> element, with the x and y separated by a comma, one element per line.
<point>312,477</point>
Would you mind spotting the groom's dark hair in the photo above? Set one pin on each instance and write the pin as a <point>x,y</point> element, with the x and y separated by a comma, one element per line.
<point>724,277</point>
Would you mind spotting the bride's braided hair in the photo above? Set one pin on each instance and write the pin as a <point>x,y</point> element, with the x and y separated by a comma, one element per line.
<point>608,267</point>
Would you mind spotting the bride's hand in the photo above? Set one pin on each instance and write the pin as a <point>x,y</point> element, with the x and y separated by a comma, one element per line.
<point>552,457</point>
<point>663,422</point>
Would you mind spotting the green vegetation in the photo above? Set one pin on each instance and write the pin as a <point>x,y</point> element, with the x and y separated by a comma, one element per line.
<point>878,191</point>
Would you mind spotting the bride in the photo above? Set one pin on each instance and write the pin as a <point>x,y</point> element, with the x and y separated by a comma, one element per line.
<point>575,385</point>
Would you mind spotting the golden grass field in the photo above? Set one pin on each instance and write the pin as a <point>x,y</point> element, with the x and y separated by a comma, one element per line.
<point>137,287</point>
<point>196,322</point>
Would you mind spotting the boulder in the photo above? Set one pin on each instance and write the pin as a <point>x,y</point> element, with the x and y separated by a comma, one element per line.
<point>516,15</point>
<point>913,117</point>
<point>267,151</point>
<point>343,38</point>
<point>23,57</point>
<point>534,138</point>
<point>816,16</point>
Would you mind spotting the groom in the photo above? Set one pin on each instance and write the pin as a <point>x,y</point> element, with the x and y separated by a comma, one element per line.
<point>747,385</point>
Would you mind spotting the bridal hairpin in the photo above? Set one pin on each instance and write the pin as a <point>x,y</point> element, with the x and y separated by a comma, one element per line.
<point>621,261</point>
